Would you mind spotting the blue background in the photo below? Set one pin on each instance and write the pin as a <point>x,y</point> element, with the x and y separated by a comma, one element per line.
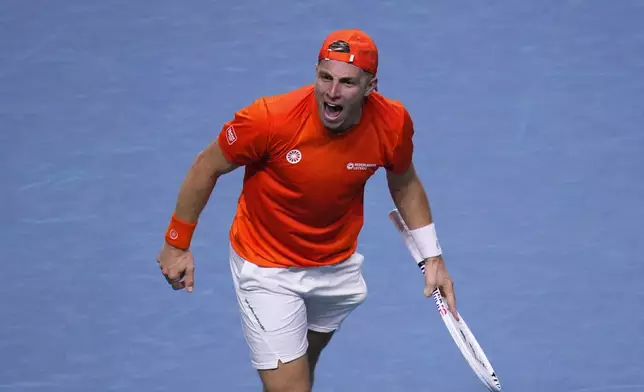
<point>529,118</point>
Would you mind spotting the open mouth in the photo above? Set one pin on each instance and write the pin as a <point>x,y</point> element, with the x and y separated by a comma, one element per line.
<point>331,111</point>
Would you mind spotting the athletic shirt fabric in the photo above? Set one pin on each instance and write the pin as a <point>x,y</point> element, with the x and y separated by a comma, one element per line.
<point>302,199</point>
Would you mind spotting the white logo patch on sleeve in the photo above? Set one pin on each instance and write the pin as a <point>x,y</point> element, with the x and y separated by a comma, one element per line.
<point>231,136</point>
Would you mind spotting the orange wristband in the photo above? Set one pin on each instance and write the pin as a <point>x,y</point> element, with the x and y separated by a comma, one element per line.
<point>179,233</point>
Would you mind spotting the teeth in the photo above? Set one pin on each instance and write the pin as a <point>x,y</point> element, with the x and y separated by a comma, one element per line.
<point>332,105</point>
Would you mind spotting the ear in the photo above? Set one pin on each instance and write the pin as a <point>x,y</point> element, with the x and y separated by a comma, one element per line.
<point>371,86</point>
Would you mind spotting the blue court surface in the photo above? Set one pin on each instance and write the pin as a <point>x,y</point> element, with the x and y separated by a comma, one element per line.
<point>529,139</point>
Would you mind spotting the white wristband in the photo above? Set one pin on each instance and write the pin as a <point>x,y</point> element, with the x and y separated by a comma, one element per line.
<point>426,240</point>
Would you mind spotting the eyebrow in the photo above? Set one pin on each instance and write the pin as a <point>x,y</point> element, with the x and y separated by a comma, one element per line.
<point>343,79</point>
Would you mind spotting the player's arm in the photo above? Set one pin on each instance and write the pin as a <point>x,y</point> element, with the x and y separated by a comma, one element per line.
<point>405,187</point>
<point>411,201</point>
<point>410,198</point>
<point>200,181</point>
<point>242,141</point>
<point>175,259</point>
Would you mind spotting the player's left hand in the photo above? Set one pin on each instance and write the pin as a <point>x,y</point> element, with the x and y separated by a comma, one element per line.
<point>436,276</point>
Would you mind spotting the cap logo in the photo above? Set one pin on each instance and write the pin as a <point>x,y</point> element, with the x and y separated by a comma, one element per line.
<point>340,46</point>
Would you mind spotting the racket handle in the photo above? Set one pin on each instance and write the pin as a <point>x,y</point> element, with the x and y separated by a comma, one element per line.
<point>421,265</point>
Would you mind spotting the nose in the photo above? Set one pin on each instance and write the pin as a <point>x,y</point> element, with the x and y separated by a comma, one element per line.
<point>334,91</point>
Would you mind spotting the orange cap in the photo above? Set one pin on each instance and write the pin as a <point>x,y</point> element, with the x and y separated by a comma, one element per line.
<point>363,52</point>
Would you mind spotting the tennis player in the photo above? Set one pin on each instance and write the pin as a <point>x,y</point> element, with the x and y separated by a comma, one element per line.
<point>307,156</point>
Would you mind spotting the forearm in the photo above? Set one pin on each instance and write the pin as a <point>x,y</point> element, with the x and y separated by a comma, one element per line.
<point>412,203</point>
<point>196,189</point>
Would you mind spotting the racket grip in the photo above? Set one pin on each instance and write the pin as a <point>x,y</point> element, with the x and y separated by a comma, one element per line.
<point>421,265</point>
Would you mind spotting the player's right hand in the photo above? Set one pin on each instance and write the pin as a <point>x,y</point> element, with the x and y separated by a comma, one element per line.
<point>178,267</point>
<point>436,276</point>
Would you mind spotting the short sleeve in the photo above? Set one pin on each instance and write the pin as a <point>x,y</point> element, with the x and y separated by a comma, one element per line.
<point>245,138</point>
<point>401,156</point>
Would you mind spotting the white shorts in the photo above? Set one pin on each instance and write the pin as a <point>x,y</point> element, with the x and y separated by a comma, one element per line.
<point>279,305</point>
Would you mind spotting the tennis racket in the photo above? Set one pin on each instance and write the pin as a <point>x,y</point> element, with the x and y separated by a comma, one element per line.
<point>458,329</point>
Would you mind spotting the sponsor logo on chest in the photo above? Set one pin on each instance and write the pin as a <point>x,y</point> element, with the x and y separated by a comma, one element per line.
<point>294,156</point>
<point>361,166</point>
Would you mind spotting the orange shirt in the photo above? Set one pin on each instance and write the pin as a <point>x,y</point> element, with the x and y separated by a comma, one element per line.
<point>302,198</point>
